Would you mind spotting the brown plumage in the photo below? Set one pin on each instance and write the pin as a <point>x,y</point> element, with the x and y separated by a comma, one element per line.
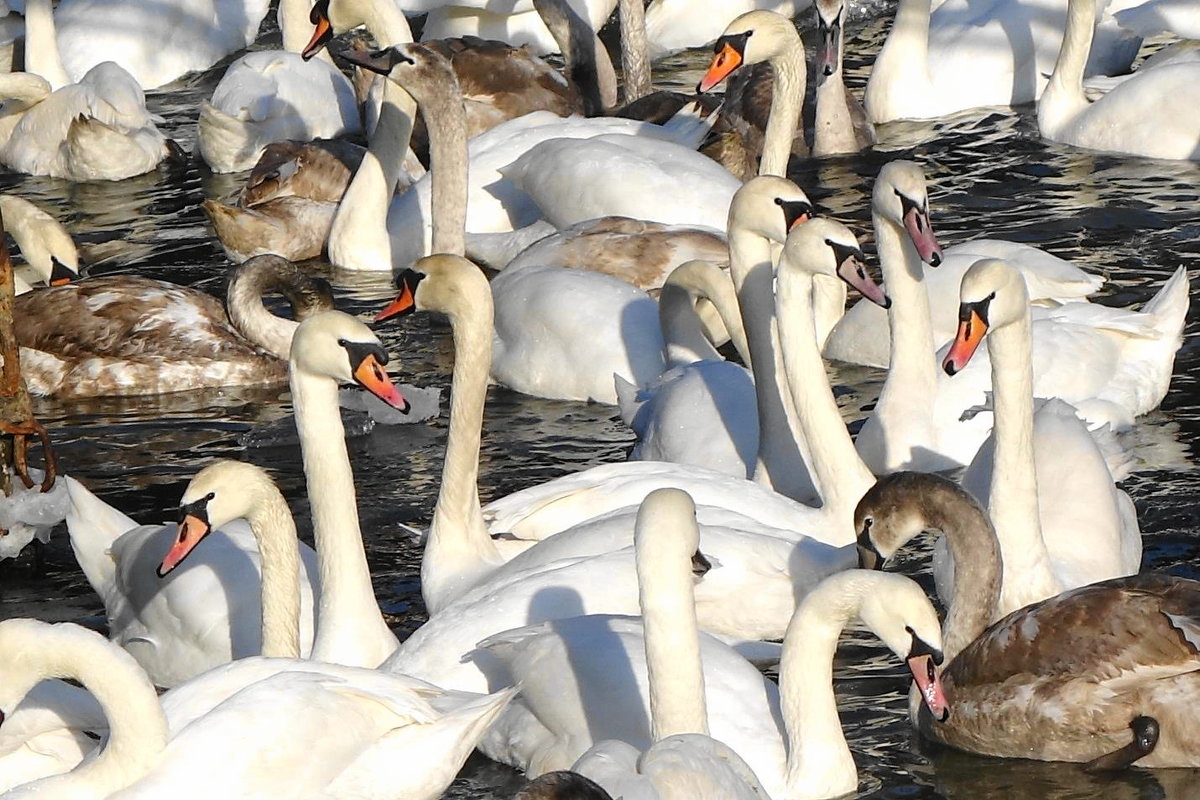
<point>562,785</point>
<point>127,335</point>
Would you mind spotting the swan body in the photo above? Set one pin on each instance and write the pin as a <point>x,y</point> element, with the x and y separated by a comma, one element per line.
<point>521,25</point>
<point>1178,17</point>
<point>966,54</point>
<point>674,25</point>
<point>126,335</point>
<point>1131,118</point>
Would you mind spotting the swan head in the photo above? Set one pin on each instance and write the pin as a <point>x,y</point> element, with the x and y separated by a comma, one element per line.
<point>216,495</point>
<point>830,21</point>
<point>900,507</point>
<point>419,69</point>
<point>751,38</point>
<point>900,197</point>
<point>330,17</point>
<point>671,512</point>
<point>769,206</point>
<point>896,609</point>
<point>337,346</point>
<point>442,282</point>
<point>823,246</point>
<point>45,244</point>
<point>992,294</point>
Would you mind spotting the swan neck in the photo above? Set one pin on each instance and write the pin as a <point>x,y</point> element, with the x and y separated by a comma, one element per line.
<point>1063,96</point>
<point>790,83</point>
<point>41,44</point>
<point>833,127</point>
<point>840,473</point>
<point>635,64</point>
<point>673,665</point>
<point>446,119</point>
<point>387,24</point>
<point>912,365</point>
<point>780,437</point>
<point>977,569</point>
<point>1014,497</point>
<point>681,327</point>
<point>248,314</point>
<point>274,530</point>
<point>359,232</point>
<point>459,551</point>
<point>702,280</point>
<point>816,745</point>
<point>587,60</point>
<point>910,29</point>
<point>349,628</point>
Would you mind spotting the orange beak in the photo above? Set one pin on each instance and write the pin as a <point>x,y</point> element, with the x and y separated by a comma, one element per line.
<point>971,329</point>
<point>191,532</point>
<point>322,34</point>
<point>371,375</point>
<point>724,62</point>
<point>403,304</point>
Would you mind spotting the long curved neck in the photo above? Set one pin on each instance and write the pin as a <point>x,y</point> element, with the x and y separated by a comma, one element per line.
<point>780,441</point>
<point>243,303</point>
<point>911,385</point>
<point>41,44</point>
<point>1014,496</point>
<point>681,327</point>
<point>136,724</point>
<point>673,665</point>
<point>902,66</point>
<point>296,28</point>
<point>790,82</point>
<point>840,473</point>
<point>587,60</point>
<point>459,551</point>
<point>700,279</point>
<point>635,64</point>
<point>387,23</point>
<point>275,532</point>
<point>359,232</point>
<point>350,628</point>
<point>446,119</point>
<point>817,753</point>
<point>1063,97</point>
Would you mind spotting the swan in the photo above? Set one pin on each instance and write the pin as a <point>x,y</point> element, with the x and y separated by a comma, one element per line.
<point>682,754</point>
<point>127,335</point>
<point>145,614</point>
<point>93,128</point>
<point>272,95</point>
<point>758,36</point>
<point>994,302</point>
<point>966,54</point>
<point>520,25</point>
<point>144,756</point>
<point>1064,679</point>
<point>1178,17</point>
<point>584,679</point>
<point>49,252</point>
<point>1132,118</point>
<point>47,733</point>
<point>289,201</point>
<point>562,785</point>
<point>841,124</point>
<point>674,25</point>
<point>155,41</point>
<point>461,561</point>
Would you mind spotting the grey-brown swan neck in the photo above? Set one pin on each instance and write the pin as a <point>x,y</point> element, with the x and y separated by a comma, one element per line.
<point>459,550</point>
<point>587,60</point>
<point>349,627</point>
<point>441,103</point>
<point>833,128</point>
<point>251,280</point>
<point>275,532</point>
<point>635,64</point>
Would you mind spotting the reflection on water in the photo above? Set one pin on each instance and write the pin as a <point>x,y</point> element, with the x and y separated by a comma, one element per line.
<point>990,174</point>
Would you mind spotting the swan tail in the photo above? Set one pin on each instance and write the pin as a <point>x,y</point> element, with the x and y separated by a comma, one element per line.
<point>628,399</point>
<point>93,526</point>
<point>1170,306</point>
<point>690,126</point>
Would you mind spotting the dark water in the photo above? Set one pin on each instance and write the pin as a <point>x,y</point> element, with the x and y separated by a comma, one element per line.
<point>1132,220</point>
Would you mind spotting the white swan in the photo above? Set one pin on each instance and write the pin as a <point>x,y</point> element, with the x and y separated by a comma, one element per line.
<point>682,755</point>
<point>967,54</point>
<point>48,250</point>
<point>674,25</point>
<point>1178,17</point>
<point>1133,118</point>
<point>247,732</point>
<point>93,128</point>
<point>155,41</point>
<point>585,680</point>
<point>128,335</point>
<point>519,24</point>
<point>272,95</point>
<point>172,633</point>
<point>994,301</point>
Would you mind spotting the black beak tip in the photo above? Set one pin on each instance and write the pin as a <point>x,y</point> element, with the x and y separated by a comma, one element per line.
<point>828,70</point>
<point>950,368</point>
<point>935,260</point>
<point>887,302</point>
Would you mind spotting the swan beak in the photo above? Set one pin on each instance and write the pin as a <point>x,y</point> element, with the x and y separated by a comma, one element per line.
<point>852,270</point>
<point>320,37</point>
<point>192,530</point>
<point>929,684</point>
<point>60,273</point>
<point>371,375</point>
<point>971,328</point>
<point>869,556</point>
<point>380,61</point>
<point>403,304</point>
<point>920,231</point>
<point>724,62</point>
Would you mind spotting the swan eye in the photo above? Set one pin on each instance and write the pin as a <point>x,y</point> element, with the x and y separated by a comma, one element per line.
<point>209,497</point>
